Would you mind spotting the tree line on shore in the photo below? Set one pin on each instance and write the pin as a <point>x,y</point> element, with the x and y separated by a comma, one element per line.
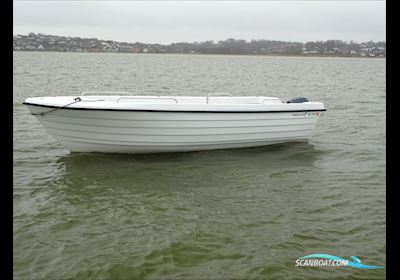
<point>42,42</point>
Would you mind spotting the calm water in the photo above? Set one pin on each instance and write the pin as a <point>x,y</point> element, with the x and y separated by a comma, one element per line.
<point>227,214</point>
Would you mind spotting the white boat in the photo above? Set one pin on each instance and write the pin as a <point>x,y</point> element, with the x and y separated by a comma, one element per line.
<point>152,124</point>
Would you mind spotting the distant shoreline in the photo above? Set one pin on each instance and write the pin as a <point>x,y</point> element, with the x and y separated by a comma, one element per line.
<point>210,54</point>
<point>330,48</point>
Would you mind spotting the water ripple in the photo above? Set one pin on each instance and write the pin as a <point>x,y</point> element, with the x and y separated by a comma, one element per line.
<point>227,214</point>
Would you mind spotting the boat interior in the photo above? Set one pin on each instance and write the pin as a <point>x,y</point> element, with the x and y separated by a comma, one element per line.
<point>213,98</point>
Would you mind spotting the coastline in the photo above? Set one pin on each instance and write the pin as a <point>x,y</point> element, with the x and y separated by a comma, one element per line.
<point>211,54</point>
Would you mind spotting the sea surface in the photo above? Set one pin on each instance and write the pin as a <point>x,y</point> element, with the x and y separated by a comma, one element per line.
<point>225,214</point>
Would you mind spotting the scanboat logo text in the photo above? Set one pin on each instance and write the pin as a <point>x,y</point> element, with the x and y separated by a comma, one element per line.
<point>330,260</point>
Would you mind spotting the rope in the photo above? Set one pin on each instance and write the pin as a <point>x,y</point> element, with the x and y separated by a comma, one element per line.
<point>76,100</point>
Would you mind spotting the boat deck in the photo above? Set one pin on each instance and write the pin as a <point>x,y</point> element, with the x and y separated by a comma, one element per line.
<point>148,99</point>
<point>174,103</point>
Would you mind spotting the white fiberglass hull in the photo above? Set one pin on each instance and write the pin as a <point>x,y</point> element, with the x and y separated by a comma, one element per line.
<point>149,131</point>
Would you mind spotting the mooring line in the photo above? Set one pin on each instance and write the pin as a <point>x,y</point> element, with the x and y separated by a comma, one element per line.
<point>76,100</point>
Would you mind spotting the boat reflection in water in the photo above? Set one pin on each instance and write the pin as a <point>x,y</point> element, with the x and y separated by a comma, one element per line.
<point>93,174</point>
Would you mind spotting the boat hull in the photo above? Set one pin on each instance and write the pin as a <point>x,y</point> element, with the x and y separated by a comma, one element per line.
<point>113,131</point>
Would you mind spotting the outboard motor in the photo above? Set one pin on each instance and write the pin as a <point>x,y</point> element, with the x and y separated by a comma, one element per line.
<point>298,100</point>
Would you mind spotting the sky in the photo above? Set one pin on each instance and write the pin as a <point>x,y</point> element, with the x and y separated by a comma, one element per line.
<point>168,22</point>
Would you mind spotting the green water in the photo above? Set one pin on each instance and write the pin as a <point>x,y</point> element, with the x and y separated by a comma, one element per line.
<point>226,214</point>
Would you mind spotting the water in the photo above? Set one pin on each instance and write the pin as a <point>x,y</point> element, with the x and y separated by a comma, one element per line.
<point>227,214</point>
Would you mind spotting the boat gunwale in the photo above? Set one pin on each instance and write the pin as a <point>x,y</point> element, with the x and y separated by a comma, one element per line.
<point>172,111</point>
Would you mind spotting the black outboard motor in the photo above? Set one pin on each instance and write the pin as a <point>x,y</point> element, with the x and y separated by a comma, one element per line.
<point>298,100</point>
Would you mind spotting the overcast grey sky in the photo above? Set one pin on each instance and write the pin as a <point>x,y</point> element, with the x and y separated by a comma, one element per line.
<point>178,21</point>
